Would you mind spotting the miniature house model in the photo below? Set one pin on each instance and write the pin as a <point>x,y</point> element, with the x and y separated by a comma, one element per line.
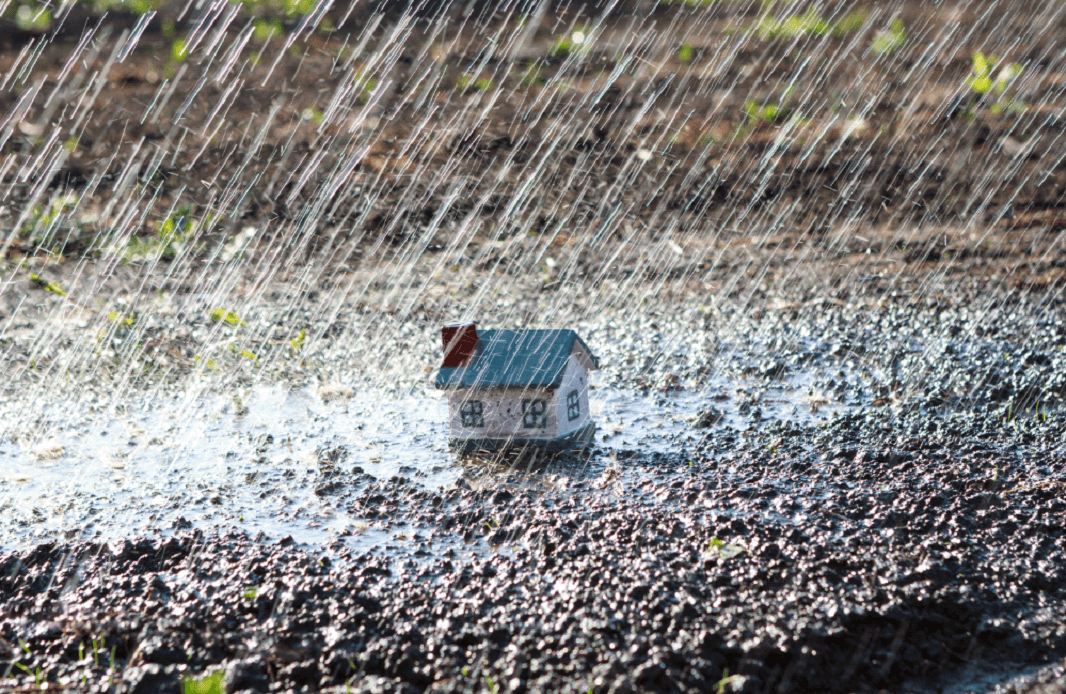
<point>516,388</point>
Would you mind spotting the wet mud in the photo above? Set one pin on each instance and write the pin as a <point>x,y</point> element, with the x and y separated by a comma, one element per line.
<point>903,531</point>
<point>756,564</point>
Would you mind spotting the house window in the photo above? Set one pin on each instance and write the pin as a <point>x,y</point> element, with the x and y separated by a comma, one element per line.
<point>472,414</point>
<point>534,414</point>
<point>573,405</point>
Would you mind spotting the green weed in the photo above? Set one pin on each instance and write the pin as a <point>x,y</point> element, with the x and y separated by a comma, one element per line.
<point>266,29</point>
<point>297,343</point>
<point>810,23</point>
<point>726,680</point>
<point>849,23</point>
<point>299,7</point>
<point>45,219</point>
<point>33,19</point>
<point>982,82</point>
<point>247,354</point>
<point>532,76</point>
<point>179,50</point>
<point>764,113</point>
<point>365,86</point>
<point>464,82</point>
<point>723,549</point>
<point>47,285</point>
<point>38,675</point>
<point>138,6</point>
<point>890,39</point>
<point>220,314</point>
<point>173,234</point>
<point>686,53</point>
<point>571,43</point>
<point>208,684</point>
<point>122,319</point>
<point>251,592</point>
<point>312,114</point>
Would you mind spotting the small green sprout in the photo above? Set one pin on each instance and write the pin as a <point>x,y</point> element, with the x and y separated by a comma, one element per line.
<point>250,592</point>
<point>981,80</point>
<point>47,285</point>
<point>266,29</point>
<point>723,549</point>
<point>179,50</point>
<point>220,314</point>
<point>211,364</point>
<point>890,39</point>
<point>312,114</point>
<point>364,86</point>
<point>763,113</point>
<point>297,342</point>
<point>121,318</point>
<point>35,20</point>
<point>464,82</point>
<point>208,684</point>
<point>299,7</point>
<point>532,76</point>
<point>809,23</point>
<point>686,53</point>
<point>38,675</point>
<point>572,43</point>
<point>725,681</point>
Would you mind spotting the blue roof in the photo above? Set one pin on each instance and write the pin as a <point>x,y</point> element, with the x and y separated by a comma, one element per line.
<point>515,359</point>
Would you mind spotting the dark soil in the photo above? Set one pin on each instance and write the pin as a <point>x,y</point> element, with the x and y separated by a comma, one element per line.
<point>893,162</point>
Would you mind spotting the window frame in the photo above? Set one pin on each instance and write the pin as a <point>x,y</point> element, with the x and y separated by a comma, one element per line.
<point>573,405</point>
<point>532,418</point>
<point>472,414</point>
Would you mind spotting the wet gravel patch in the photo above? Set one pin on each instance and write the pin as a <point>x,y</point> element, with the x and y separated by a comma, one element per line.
<point>802,491</point>
<point>784,558</point>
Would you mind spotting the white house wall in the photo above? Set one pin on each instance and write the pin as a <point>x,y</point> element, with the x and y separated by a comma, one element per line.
<point>575,377</point>
<point>502,413</point>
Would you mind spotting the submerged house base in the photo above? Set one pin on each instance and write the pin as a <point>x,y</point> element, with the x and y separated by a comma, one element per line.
<point>574,441</point>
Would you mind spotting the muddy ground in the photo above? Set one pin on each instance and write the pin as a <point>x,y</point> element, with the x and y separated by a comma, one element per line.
<point>885,246</point>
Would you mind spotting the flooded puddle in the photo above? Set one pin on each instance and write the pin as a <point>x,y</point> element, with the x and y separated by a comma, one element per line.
<point>259,459</point>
